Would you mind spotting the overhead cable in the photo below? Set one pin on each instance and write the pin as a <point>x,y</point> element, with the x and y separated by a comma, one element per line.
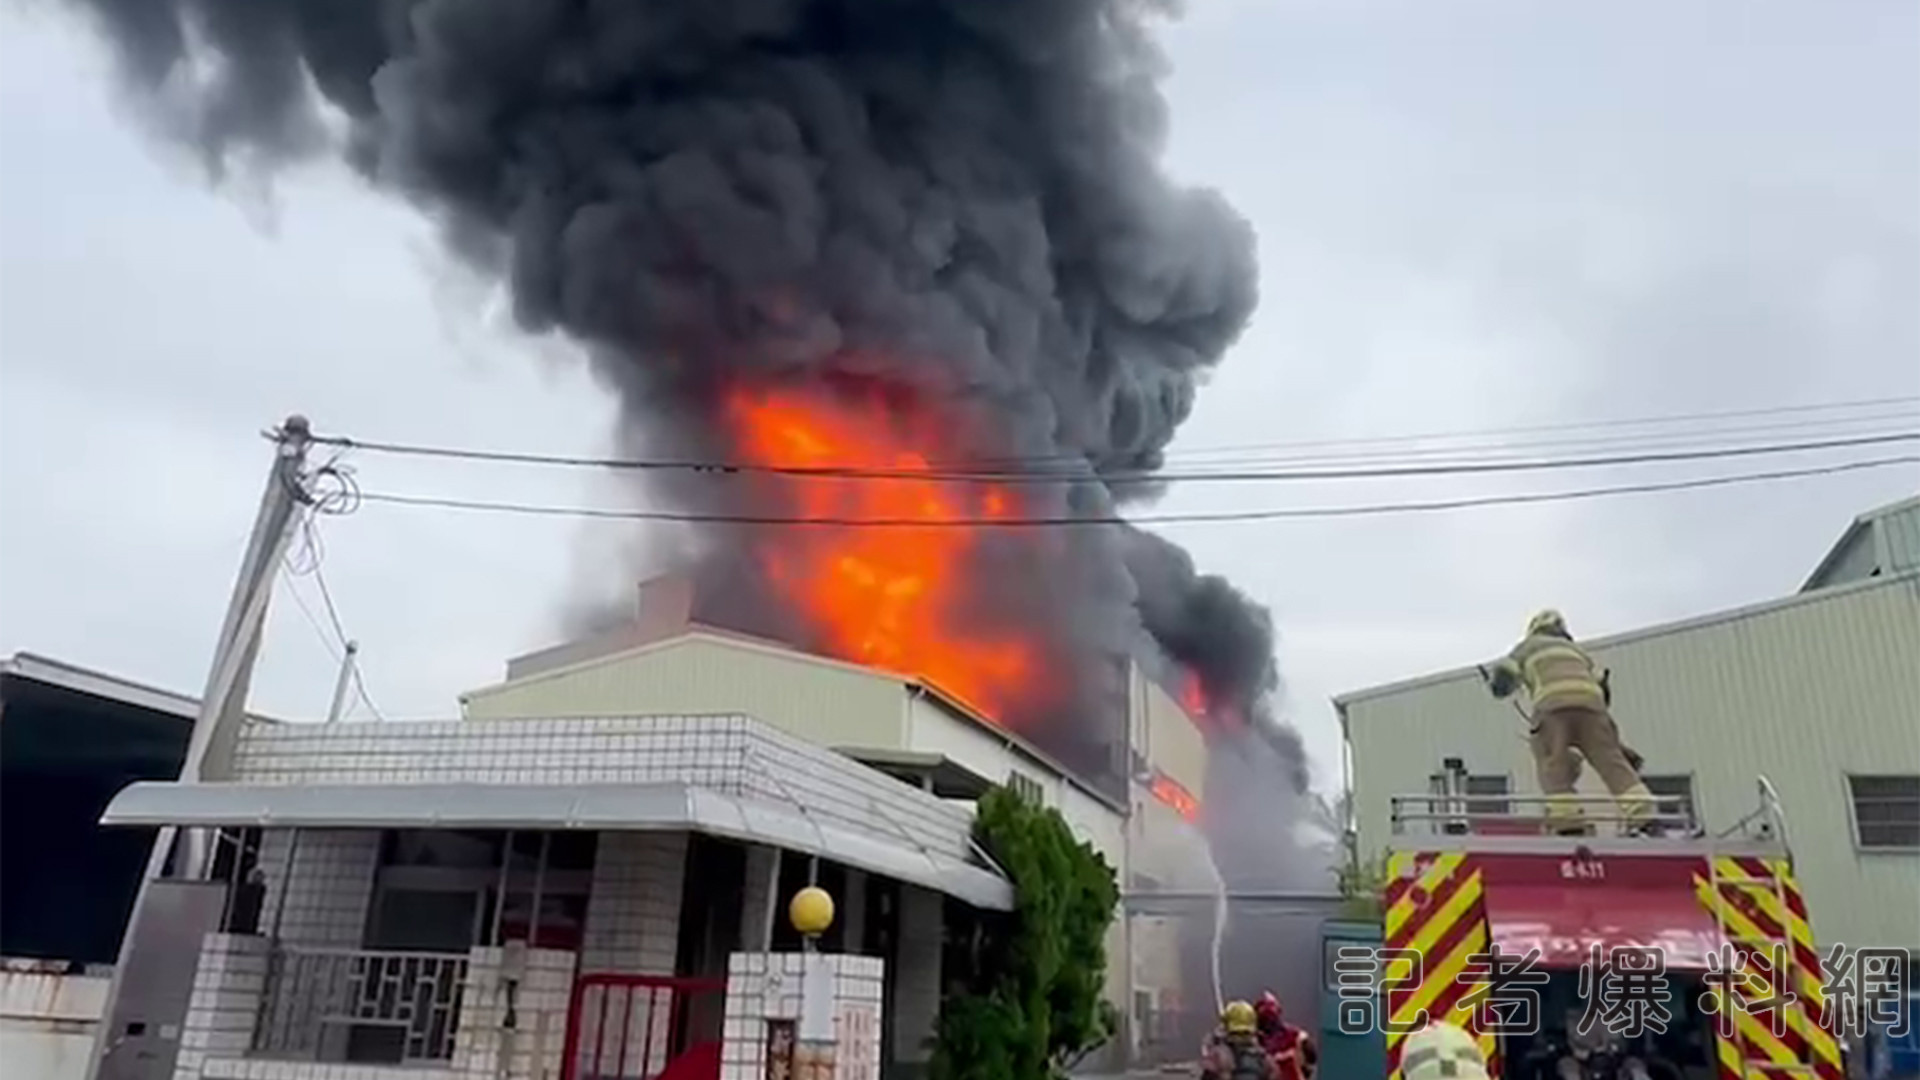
<point>1009,477</point>
<point>1271,514</point>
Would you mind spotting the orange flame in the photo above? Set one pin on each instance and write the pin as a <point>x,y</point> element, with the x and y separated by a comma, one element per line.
<point>1174,794</point>
<point>887,596</point>
<point>1193,695</point>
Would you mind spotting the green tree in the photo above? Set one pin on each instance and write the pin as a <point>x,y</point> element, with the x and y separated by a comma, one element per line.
<point>1037,1008</point>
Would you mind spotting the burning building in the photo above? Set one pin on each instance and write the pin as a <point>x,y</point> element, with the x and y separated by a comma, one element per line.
<point>900,310</point>
<point>673,660</point>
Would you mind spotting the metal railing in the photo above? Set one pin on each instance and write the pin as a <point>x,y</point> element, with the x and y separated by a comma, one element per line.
<point>634,1027</point>
<point>357,1005</point>
<point>1527,814</point>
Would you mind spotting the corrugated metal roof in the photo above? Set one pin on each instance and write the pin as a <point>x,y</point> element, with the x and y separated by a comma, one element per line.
<point>80,680</point>
<point>1819,596</point>
<point>596,807</point>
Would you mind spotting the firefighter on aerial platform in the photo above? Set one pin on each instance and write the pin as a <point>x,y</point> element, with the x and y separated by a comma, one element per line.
<point>1234,1051</point>
<point>1570,713</point>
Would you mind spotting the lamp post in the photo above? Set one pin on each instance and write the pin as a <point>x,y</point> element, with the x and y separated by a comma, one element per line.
<point>811,913</point>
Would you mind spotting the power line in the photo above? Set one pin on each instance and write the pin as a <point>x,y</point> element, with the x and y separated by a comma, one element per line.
<point>1150,519</point>
<point>1269,475</point>
<point>333,615</point>
<point>1694,418</point>
<point>1696,436</point>
<point>326,640</point>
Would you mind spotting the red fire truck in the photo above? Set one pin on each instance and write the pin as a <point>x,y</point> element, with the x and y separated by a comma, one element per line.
<point>1465,876</point>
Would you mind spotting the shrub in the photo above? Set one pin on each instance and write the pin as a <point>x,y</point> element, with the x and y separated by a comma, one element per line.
<point>1037,1009</point>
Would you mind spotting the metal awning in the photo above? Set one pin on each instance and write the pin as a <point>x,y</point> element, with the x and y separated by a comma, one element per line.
<point>664,807</point>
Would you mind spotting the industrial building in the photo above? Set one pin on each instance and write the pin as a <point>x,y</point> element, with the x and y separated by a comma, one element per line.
<point>1818,691</point>
<point>669,662</point>
<point>70,738</point>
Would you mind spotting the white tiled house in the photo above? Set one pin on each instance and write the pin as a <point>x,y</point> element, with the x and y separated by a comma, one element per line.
<point>637,858</point>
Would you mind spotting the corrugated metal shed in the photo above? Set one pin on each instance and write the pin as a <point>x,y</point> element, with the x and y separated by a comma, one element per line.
<point>1805,690</point>
<point>825,702</point>
<point>1880,542</point>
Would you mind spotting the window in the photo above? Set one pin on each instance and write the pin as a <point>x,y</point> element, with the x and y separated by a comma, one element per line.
<point>1672,794</point>
<point>1365,961</point>
<point>1487,785</point>
<point>1026,787</point>
<point>445,890</point>
<point>1476,784</point>
<point>1886,811</point>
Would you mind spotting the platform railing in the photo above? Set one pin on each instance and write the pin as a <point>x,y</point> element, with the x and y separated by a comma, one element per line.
<point>1526,815</point>
<point>339,1005</point>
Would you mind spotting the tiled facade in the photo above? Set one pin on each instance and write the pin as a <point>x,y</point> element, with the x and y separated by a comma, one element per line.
<point>633,912</point>
<point>764,987</point>
<point>328,889</point>
<point>225,1006</point>
<point>532,1048</point>
<point>232,977</point>
<point>330,880</point>
<point>731,754</point>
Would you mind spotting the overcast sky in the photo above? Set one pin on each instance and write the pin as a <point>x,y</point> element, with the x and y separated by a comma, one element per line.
<point>1473,216</point>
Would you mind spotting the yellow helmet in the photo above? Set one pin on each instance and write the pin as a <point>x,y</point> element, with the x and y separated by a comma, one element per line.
<point>1238,1018</point>
<point>1442,1050</point>
<point>1546,620</point>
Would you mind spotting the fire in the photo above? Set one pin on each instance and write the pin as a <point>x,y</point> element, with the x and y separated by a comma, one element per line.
<point>1175,795</point>
<point>891,597</point>
<point>1201,707</point>
<point>1193,694</point>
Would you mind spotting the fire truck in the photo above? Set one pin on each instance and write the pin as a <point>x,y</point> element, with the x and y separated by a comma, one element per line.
<point>1479,895</point>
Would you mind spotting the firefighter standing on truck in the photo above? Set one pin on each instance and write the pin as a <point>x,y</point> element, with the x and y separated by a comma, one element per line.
<point>1234,1052</point>
<point>1570,713</point>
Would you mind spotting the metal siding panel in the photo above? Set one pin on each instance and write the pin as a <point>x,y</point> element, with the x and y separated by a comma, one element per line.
<point>1855,561</point>
<point>1901,530</point>
<point>825,704</point>
<point>1175,745</point>
<point>1804,694</point>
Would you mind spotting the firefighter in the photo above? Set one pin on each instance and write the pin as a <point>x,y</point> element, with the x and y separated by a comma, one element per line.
<point>1291,1049</point>
<point>1442,1050</point>
<point>1234,1051</point>
<point>1570,712</point>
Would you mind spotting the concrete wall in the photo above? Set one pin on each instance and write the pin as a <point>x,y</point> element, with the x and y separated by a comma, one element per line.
<point>48,1021</point>
<point>1804,690</point>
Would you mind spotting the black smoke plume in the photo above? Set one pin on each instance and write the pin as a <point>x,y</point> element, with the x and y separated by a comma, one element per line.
<point>957,199</point>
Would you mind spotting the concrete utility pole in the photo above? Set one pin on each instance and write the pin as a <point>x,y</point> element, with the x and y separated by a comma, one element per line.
<point>340,684</point>
<point>147,999</point>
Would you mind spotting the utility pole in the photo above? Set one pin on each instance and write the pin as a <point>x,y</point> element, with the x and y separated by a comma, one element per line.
<point>176,905</point>
<point>340,684</point>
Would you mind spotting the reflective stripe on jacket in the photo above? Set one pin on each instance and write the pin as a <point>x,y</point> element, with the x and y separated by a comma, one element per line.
<point>1292,1053</point>
<point>1556,672</point>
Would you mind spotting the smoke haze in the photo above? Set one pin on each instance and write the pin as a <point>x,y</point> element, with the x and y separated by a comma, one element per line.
<point>951,202</point>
